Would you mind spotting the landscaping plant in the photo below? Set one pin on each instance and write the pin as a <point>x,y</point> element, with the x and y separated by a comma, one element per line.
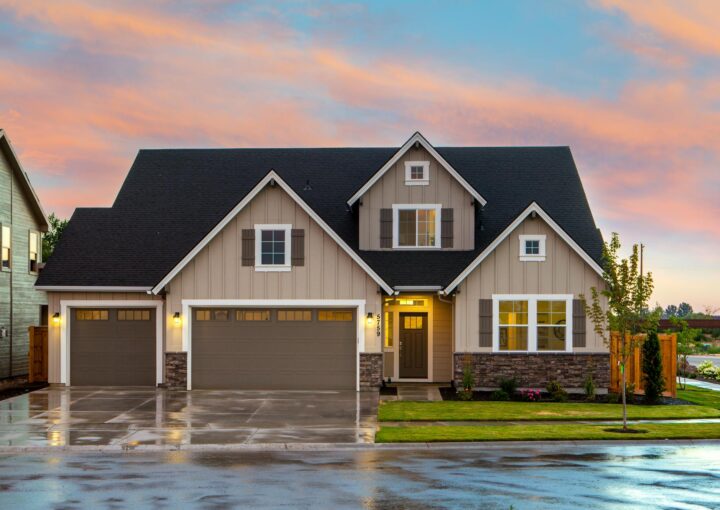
<point>652,367</point>
<point>530,395</point>
<point>499,395</point>
<point>556,391</point>
<point>627,292</point>
<point>589,388</point>
<point>509,386</point>
<point>468,380</point>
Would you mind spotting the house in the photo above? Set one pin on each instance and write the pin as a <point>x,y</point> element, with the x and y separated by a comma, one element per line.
<point>330,268</point>
<point>22,221</point>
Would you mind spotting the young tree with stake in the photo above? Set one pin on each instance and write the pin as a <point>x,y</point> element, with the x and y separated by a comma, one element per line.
<point>627,291</point>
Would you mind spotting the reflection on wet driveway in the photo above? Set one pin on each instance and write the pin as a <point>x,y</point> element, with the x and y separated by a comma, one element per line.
<point>136,416</point>
<point>553,477</point>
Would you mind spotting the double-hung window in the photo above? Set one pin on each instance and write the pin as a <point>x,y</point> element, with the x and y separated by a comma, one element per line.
<point>532,323</point>
<point>416,226</point>
<point>272,247</point>
<point>6,242</point>
<point>33,251</point>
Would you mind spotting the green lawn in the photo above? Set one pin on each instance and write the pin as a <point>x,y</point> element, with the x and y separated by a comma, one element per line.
<point>529,411</point>
<point>700,396</point>
<point>536,432</point>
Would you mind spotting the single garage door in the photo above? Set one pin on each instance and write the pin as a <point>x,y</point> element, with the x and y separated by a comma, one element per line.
<point>273,348</point>
<point>112,347</point>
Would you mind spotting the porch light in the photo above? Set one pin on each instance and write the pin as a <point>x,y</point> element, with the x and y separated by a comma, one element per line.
<point>176,319</point>
<point>369,319</point>
<point>56,318</point>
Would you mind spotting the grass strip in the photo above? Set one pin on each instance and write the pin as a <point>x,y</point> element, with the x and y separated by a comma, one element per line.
<point>700,396</point>
<point>533,411</point>
<point>554,432</point>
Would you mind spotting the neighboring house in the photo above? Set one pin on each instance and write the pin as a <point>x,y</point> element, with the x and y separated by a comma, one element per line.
<point>22,222</point>
<point>330,268</point>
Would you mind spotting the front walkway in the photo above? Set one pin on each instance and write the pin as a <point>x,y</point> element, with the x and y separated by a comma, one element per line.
<point>132,417</point>
<point>416,392</point>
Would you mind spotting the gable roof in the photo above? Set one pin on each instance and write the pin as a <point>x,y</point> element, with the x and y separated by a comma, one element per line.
<point>24,180</point>
<point>171,199</point>
<point>416,138</point>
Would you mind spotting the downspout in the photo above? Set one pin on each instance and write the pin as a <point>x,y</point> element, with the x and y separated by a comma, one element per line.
<point>12,270</point>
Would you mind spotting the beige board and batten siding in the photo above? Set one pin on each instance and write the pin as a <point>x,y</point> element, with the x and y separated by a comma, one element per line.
<point>442,340</point>
<point>502,272</point>
<point>216,271</point>
<point>391,189</point>
<point>54,299</point>
<point>16,213</point>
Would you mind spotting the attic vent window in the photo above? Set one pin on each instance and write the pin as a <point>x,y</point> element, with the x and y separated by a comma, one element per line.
<point>532,248</point>
<point>417,173</point>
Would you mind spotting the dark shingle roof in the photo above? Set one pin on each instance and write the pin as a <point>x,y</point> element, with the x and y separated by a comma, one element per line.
<point>172,198</point>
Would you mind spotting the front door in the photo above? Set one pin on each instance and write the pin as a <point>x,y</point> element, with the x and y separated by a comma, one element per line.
<point>413,345</point>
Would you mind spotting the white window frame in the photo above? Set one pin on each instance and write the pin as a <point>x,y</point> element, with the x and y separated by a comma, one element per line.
<point>259,266</point>
<point>425,181</point>
<point>525,257</point>
<point>532,300</point>
<point>10,246</point>
<point>38,251</point>
<point>396,225</point>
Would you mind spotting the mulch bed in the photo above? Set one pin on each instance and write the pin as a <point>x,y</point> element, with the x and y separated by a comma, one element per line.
<point>388,390</point>
<point>449,393</point>
<point>20,390</point>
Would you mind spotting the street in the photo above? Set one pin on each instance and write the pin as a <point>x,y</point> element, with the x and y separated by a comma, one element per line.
<point>522,477</point>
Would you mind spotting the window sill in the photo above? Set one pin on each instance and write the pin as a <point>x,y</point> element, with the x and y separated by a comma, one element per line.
<point>418,183</point>
<point>532,258</point>
<point>416,247</point>
<point>532,352</point>
<point>273,269</point>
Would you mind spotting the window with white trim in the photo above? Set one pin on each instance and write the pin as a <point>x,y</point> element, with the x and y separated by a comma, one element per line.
<point>272,247</point>
<point>532,248</point>
<point>33,251</point>
<point>532,323</point>
<point>416,225</point>
<point>417,173</point>
<point>6,241</point>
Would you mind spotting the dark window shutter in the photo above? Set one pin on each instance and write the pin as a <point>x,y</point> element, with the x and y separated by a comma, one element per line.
<point>578,332</point>
<point>486,311</point>
<point>446,227</point>
<point>248,247</point>
<point>297,247</point>
<point>386,228</point>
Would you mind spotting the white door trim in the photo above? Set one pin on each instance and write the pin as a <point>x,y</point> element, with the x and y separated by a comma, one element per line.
<point>358,304</point>
<point>429,310</point>
<point>65,337</point>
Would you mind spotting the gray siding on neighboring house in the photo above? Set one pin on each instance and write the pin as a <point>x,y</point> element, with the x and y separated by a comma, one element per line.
<point>217,271</point>
<point>443,189</point>
<point>502,272</point>
<point>26,301</point>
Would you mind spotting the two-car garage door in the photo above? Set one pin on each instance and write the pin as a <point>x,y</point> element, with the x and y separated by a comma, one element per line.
<point>273,348</point>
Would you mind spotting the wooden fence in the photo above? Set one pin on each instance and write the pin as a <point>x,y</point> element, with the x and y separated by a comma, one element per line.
<point>38,352</point>
<point>668,350</point>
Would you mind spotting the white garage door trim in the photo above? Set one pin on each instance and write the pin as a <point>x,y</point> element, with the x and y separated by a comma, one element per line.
<point>188,304</point>
<point>65,337</point>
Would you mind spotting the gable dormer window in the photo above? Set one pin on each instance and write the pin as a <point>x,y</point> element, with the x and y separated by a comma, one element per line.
<point>272,247</point>
<point>417,173</point>
<point>416,225</point>
<point>532,248</point>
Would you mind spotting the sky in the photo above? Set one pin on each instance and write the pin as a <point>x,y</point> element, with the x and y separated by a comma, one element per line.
<point>632,87</point>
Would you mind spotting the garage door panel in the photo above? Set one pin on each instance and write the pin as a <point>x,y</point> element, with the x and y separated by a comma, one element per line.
<point>274,354</point>
<point>111,352</point>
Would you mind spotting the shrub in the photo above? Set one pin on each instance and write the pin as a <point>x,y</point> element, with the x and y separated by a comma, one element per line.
<point>708,370</point>
<point>530,395</point>
<point>468,380</point>
<point>589,388</point>
<point>630,393</point>
<point>653,380</point>
<point>613,398</point>
<point>499,395</point>
<point>556,391</point>
<point>509,386</point>
<point>465,394</point>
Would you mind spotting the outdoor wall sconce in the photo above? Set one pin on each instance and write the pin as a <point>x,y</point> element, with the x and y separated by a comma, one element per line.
<point>369,319</point>
<point>56,318</point>
<point>176,319</point>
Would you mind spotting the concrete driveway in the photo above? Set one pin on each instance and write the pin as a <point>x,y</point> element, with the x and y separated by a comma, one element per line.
<point>132,417</point>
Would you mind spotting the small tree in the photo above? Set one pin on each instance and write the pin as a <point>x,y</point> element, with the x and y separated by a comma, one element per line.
<point>685,347</point>
<point>652,367</point>
<point>627,291</point>
<point>52,236</point>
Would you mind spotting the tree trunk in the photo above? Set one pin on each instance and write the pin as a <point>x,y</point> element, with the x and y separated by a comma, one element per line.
<point>624,400</point>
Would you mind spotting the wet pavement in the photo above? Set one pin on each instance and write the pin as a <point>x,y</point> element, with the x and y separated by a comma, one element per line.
<point>529,477</point>
<point>133,417</point>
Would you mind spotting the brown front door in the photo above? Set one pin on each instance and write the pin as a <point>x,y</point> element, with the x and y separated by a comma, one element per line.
<point>413,345</point>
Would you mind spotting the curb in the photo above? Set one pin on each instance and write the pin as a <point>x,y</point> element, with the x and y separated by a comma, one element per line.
<point>338,447</point>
